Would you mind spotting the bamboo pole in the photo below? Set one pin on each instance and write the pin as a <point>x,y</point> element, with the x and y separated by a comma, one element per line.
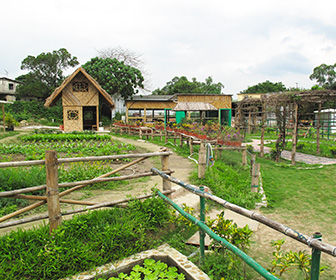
<point>86,182</point>
<point>38,197</point>
<point>201,161</point>
<point>21,211</point>
<point>166,185</point>
<point>318,129</point>
<point>75,211</point>
<point>263,120</point>
<point>329,249</point>
<point>244,157</point>
<point>255,177</point>
<point>105,175</point>
<point>294,135</point>
<point>82,159</point>
<point>52,190</point>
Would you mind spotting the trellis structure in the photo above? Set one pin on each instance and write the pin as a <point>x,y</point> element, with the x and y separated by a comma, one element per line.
<point>289,112</point>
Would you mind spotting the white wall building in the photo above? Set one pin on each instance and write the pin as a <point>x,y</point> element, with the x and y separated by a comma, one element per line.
<point>7,89</point>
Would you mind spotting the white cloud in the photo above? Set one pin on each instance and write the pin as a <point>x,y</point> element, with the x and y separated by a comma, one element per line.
<point>238,43</point>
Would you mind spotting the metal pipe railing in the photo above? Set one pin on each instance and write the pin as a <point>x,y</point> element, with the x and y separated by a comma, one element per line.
<point>223,242</point>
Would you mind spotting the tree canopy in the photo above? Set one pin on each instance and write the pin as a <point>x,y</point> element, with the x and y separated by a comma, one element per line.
<point>182,85</point>
<point>325,76</point>
<point>114,76</point>
<point>265,87</point>
<point>45,73</point>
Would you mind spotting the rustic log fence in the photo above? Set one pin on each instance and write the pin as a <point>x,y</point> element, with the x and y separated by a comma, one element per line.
<point>53,196</point>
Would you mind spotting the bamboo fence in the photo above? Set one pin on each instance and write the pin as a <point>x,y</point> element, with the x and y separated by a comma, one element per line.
<point>53,196</point>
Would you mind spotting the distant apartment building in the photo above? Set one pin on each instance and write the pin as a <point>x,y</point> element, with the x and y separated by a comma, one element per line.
<point>7,89</point>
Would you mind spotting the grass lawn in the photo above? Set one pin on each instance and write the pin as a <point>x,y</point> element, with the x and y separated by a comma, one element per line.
<point>302,197</point>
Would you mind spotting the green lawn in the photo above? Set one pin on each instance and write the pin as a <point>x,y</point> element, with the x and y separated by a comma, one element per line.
<point>302,197</point>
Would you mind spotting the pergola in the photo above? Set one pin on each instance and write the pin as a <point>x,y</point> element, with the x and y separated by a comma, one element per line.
<point>287,108</point>
<point>2,102</point>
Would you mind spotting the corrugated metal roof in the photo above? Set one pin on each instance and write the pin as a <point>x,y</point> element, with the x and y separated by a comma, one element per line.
<point>194,106</point>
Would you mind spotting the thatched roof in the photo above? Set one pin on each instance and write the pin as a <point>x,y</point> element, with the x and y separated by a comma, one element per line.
<point>194,106</point>
<point>51,100</point>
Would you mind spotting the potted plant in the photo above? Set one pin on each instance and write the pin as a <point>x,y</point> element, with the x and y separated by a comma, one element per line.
<point>10,122</point>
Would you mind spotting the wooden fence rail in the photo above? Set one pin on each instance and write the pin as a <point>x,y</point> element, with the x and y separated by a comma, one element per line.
<point>53,196</point>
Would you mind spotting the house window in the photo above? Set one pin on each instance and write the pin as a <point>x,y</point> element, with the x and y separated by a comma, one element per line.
<point>11,86</point>
<point>80,87</point>
<point>72,115</point>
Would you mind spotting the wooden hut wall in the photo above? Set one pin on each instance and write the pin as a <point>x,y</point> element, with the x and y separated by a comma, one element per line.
<point>73,118</point>
<point>219,101</point>
<point>78,93</point>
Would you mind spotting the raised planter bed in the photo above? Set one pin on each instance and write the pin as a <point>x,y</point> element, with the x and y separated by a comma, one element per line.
<point>164,253</point>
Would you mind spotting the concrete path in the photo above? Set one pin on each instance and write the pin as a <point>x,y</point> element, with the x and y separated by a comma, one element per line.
<point>309,159</point>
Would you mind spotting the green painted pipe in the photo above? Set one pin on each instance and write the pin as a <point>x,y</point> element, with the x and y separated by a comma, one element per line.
<point>202,218</point>
<point>316,258</point>
<point>251,262</point>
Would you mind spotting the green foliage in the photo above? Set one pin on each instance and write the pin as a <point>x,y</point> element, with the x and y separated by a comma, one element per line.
<point>79,244</point>
<point>34,110</point>
<point>265,87</point>
<point>182,85</point>
<point>151,270</point>
<point>46,72</point>
<point>114,76</point>
<point>285,262</point>
<point>325,76</point>
<point>229,230</point>
<point>70,144</point>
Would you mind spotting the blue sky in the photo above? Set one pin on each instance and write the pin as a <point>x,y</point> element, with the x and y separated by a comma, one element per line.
<point>238,43</point>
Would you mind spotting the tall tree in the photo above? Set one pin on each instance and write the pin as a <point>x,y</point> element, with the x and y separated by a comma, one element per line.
<point>265,87</point>
<point>114,76</point>
<point>130,58</point>
<point>183,85</point>
<point>45,72</point>
<point>325,76</point>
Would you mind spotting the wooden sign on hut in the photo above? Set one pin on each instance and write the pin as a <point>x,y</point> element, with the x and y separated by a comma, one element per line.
<point>81,95</point>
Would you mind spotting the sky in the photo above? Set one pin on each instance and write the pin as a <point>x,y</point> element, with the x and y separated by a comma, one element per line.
<point>239,43</point>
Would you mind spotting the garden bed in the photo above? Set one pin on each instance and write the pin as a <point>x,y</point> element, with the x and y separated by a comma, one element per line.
<point>164,253</point>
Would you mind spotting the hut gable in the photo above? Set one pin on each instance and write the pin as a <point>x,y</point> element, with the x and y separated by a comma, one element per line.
<point>79,89</point>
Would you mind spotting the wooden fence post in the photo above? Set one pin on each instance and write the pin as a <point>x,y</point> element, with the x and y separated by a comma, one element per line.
<point>255,177</point>
<point>318,129</point>
<point>294,134</point>
<point>175,138</point>
<point>181,140</point>
<point>244,157</point>
<point>253,160</point>
<point>191,145</point>
<point>52,191</point>
<point>201,160</point>
<point>166,185</point>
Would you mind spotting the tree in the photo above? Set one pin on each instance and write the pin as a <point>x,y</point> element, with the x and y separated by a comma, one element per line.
<point>265,87</point>
<point>325,76</point>
<point>130,58</point>
<point>45,72</point>
<point>114,76</point>
<point>183,85</point>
